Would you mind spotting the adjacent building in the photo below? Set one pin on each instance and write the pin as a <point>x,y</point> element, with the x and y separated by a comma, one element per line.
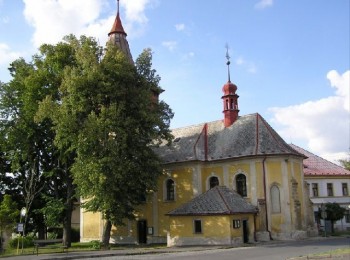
<point>327,182</point>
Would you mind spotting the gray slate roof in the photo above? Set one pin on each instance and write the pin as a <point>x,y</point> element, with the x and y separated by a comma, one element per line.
<point>219,200</point>
<point>250,135</point>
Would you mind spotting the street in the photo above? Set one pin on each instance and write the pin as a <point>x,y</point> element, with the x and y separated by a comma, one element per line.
<point>270,251</point>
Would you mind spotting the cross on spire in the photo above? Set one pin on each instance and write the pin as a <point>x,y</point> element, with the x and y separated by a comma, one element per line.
<point>227,63</point>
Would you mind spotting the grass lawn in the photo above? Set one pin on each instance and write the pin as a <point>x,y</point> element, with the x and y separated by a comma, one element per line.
<point>88,246</point>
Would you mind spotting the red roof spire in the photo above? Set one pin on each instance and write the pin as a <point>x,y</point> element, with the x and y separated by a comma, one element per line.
<point>230,98</point>
<point>117,26</point>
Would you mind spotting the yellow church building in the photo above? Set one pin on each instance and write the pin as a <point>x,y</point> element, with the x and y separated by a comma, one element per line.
<point>226,182</point>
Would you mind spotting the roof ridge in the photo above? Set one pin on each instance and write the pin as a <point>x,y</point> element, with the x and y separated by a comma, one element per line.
<point>223,199</point>
<point>283,145</point>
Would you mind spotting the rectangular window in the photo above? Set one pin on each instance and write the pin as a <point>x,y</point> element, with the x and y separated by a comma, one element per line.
<point>236,223</point>
<point>197,226</point>
<point>329,189</point>
<point>347,216</point>
<point>344,187</point>
<point>315,190</point>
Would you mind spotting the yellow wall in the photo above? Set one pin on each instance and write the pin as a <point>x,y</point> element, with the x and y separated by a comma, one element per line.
<point>212,226</point>
<point>276,168</point>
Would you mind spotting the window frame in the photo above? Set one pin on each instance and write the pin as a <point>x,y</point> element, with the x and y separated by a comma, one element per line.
<point>241,184</point>
<point>197,226</point>
<point>344,188</point>
<point>314,189</point>
<point>169,190</point>
<point>236,223</point>
<point>275,191</point>
<point>330,191</point>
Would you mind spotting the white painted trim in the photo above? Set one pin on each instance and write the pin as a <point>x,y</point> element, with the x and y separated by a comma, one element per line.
<point>155,213</point>
<point>253,185</point>
<point>285,196</point>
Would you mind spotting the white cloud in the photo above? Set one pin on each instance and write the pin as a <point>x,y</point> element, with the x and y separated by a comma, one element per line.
<point>263,4</point>
<point>7,55</point>
<point>322,124</point>
<point>248,65</point>
<point>56,18</point>
<point>171,45</point>
<point>188,56</point>
<point>180,27</point>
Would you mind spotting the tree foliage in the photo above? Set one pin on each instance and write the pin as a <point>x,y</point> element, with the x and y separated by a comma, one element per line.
<point>334,212</point>
<point>34,165</point>
<point>106,114</point>
<point>8,214</point>
<point>345,163</point>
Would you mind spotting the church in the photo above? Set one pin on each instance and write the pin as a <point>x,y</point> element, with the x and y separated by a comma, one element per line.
<point>226,182</point>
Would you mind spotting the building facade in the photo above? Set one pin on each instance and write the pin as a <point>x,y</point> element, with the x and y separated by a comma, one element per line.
<point>327,183</point>
<point>227,182</point>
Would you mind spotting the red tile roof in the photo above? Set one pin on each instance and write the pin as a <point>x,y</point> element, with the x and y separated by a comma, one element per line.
<point>317,166</point>
<point>117,26</point>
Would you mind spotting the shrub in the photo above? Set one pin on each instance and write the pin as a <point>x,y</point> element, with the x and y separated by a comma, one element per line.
<point>27,242</point>
<point>95,244</point>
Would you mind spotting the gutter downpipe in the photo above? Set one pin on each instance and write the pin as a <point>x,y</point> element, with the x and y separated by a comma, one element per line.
<point>255,239</point>
<point>266,213</point>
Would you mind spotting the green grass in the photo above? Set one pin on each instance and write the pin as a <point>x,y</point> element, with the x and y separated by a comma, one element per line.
<point>339,251</point>
<point>75,247</point>
<point>26,251</point>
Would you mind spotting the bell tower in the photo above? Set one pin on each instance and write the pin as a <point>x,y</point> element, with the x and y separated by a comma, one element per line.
<point>117,36</point>
<point>230,98</point>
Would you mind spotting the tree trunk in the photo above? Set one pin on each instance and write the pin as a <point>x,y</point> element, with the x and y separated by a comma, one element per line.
<point>67,221</point>
<point>106,234</point>
<point>67,228</point>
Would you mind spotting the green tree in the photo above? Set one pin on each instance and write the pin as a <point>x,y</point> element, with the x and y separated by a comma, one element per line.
<point>28,147</point>
<point>345,163</point>
<point>8,215</point>
<point>334,212</point>
<point>109,116</point>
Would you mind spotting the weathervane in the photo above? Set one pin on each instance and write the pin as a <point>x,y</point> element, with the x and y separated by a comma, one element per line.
<point>118,6</point>
<point>227,63</point>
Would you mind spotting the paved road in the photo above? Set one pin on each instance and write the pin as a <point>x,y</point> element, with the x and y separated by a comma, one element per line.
<point>274,251</point>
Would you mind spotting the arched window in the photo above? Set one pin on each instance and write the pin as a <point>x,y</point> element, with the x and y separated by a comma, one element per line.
<point>213,181</point>
<point>275,199</point>
<point>241,185</point>
<point>170,190</point>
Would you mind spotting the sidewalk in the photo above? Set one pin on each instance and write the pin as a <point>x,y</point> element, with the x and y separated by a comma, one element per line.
<point>109,253</point>
<point>135,251</point>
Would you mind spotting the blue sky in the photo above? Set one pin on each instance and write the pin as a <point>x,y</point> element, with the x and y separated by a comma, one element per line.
<point>289,59</point>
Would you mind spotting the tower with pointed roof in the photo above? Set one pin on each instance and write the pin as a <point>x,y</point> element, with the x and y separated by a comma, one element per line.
<point>230,98</point>
<point>117,36</point>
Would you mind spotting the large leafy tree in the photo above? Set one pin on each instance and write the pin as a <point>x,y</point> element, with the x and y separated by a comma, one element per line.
<point>34,164</point>
<point>108,115</point>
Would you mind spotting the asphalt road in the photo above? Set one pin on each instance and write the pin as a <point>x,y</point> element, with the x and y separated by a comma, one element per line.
<point>271,251</point>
